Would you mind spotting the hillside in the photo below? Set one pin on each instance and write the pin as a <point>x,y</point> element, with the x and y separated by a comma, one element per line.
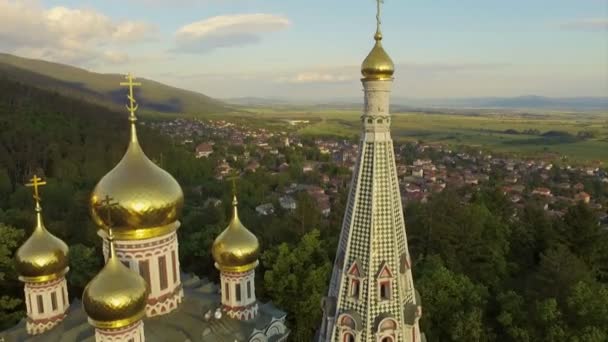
<point>104,89</point>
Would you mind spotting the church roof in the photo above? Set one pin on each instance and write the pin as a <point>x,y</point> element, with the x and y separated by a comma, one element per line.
<point>187,323</point>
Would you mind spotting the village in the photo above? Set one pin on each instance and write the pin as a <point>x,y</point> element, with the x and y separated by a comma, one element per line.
<point>322,167</point>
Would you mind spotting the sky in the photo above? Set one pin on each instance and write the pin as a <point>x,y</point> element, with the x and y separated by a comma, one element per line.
<point>313,49</point>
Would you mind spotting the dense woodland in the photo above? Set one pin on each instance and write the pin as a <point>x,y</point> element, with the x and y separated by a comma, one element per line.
<point>486,271</point>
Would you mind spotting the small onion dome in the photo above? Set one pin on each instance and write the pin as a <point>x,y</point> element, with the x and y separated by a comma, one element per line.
<point>43,257</point>
<point>116,297</point>
<point>378,65</point>
<point>148,199</point>
<point>236,249</point>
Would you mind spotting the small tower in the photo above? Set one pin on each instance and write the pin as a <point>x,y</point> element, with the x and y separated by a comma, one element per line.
<point>235,252</point>
<point>115,301</point>
<point>145,219</point>
<point>371,295</point>
<point>42,262</point>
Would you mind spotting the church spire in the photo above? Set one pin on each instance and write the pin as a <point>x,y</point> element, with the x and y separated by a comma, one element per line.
<point>371,295</point>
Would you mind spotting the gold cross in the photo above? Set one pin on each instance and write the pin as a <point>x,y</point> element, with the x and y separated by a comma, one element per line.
<point>233,177</point>
<point>132,107</point>
<point>378,19</point>
<point>107,204</point>
<point>36,182</point>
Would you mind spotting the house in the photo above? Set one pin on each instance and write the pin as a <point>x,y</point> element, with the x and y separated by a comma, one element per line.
<point>308,167</point>
<point>204,150</point>
<point>418,172</point>
<point>542,192</point>
<point>252,166</point>
<point>582,196</point>
<point>288,203</point>
<point>265,209</point>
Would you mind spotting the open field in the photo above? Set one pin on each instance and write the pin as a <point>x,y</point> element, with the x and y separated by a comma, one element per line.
<point>494,132</point>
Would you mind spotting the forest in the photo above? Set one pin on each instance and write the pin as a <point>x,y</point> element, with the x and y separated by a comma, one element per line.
<point>486,270</point>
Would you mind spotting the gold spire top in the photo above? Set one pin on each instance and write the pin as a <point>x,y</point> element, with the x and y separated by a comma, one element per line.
<point>117,296</point>
<point>236,249</point>
<point>43,257</point>
<point>148,199</point>
<point>378,65</point>
<point>378,35</point>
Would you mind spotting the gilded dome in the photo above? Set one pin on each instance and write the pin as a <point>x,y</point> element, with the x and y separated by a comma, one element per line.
<point>116,297</point>
<point>378,65</point>
<point>236,249</point>
<point>43,257</point>
<point>148,200</point>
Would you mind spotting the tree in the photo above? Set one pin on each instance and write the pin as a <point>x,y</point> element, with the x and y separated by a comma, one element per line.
<point>454,305</point>
<point>10,303</point>
<point>296,280</point>
<point>85,263</point>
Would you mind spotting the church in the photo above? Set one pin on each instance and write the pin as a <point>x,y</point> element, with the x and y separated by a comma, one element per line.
<point>141,294</point>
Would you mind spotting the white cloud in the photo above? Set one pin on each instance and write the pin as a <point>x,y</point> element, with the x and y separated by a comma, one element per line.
<point>589,24</point>
<point>80,36</point>
<point>227,31</point>
<point>318,77</point>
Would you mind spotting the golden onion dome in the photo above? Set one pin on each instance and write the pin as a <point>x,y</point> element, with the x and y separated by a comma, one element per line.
<point>43,257</point>
<point>148,199</point>
<point>116,297</point>
<point>236,249</point>
<point>378,65</point>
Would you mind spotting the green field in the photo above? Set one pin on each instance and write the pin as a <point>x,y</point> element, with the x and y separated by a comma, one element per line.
<point>483,130</point>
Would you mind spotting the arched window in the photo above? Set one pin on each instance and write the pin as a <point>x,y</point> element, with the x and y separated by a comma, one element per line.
<point>347,321</point>
<point>354,288</point>
<point>369,121</point>
<point>379,121</point>
<point>348,337</point>
<point>387,339</point>
<point>385,277</point>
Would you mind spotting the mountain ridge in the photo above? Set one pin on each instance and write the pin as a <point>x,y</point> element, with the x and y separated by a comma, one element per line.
<point>104,89</point>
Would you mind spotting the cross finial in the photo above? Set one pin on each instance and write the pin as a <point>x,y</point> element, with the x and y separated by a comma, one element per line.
<point>36,182</point>
<point>379,19</point>
<point>107,203</point>
<point>233,177</point>
<point>132,107</point>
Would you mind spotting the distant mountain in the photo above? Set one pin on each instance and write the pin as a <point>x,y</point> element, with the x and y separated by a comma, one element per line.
<point>402,103</point>
<point>520,102</point>
<point>104,89</point>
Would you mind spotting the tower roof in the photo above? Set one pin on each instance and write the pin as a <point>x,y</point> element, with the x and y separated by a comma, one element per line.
<point>378,65</point>
<point>236,249</point>
<point>43,257</point>
<point>117,296</point>
<point>148,199</point>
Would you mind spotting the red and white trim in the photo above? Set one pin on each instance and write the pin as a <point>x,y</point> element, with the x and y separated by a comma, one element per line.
<point>46,305</point>
<point>157,261</point>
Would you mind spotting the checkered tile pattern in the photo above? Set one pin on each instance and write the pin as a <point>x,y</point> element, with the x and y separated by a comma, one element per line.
<point>373,232</point>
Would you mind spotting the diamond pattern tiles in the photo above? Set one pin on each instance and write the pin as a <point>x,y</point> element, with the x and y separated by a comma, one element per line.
<point>373,233</point>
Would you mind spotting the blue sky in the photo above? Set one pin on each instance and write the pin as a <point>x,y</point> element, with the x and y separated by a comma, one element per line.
<point>313,49</point>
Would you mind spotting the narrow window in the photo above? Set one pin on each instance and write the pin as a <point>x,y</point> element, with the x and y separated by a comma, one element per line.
<point>369,121</point>
<point>238,292</point>
<point>174,262</point>
<point>385,290</point>
<point>63,298</point>
<point>249,289</point>
<point>379,121</point>
<point>144,270</point>
<point>354,288</point>
<point>227,290</point>
<point>54,301</point>
<point>387,339</point>
<point>40,304</point>
<point>348,337</point>
<point>162,269</point>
